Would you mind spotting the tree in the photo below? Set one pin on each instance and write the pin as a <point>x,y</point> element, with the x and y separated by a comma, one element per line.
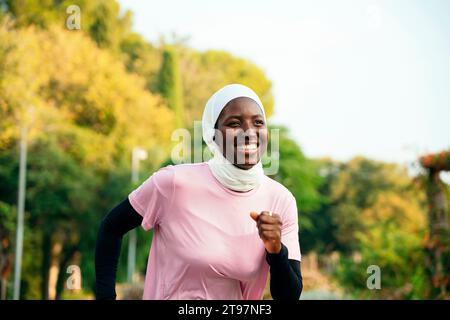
<point>203,73</point>
<point>94,96</point>
<point>353,187</point>
<point>170,84</point>
<point>142,58</point>
<point>438,236</point>
<point>100,19</point>
<point>88,117</point>
<point>300,175</point>
<point>391,239</point>
<point>376,213</point>
<point>6,235</point>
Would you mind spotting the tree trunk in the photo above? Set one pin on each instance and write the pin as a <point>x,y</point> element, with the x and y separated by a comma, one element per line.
<point>45,267</point>
<point>5,266</point>
<point>437,247</point>
<point>67,255</point>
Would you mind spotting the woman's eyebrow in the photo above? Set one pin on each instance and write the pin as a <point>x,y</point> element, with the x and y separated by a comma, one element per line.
<point>234,116</point>
<point>239,116</point>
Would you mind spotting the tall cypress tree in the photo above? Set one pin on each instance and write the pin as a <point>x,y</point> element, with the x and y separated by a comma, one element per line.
<point>170,84</point>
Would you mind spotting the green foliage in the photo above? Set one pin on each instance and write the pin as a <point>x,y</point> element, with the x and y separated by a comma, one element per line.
<point>7,227</point>
<point>79,141</point>
<point>100,19</point>
<point>79,134</point>
<point>170,85</point>
<point>7,223</point>
<point>300,176</point>
<point>206,72</point>
<point>350,188</point>
<point>378,218</point>
<point>89,96</point>
<point>142,58</point>
<point>201,73</point>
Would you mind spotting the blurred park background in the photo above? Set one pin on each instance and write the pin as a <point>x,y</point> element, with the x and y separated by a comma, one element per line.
<point>363,110</point>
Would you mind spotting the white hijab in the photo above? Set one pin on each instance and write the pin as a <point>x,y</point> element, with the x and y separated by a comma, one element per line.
<point>228,174</point>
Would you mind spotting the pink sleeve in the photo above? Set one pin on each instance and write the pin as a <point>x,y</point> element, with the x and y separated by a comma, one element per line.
<point>289,230</point>
<point>153,197</point>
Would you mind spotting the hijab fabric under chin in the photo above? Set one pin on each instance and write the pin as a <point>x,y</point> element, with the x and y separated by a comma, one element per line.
<point>223,170</point>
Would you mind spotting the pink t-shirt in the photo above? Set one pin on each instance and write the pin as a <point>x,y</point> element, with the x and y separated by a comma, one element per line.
<point>205,244</point>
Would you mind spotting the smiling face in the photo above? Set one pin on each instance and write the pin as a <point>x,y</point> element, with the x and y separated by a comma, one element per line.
<point>241,132</point>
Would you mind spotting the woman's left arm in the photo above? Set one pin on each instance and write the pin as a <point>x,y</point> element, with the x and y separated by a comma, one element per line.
<point>285,275</point>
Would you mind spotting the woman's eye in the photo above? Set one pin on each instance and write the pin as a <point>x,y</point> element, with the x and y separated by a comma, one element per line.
<point>233,124</point>
<point>259,122</point>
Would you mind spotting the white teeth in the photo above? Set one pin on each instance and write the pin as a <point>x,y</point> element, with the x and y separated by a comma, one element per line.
<point>249,147</point>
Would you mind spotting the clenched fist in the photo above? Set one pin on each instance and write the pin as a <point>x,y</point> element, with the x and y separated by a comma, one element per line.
<point>269,228</point>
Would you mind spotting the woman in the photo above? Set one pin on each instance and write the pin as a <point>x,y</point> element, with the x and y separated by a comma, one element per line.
<point>219,226</point>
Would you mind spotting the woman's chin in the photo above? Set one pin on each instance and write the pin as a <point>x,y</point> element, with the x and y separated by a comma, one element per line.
<point>244,166</point>
<point>247,164</point>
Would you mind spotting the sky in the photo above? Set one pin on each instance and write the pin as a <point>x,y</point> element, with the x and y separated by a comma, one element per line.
<point>361,77</point>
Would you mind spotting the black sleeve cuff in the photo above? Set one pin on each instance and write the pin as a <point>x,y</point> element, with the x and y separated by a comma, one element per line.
<point>277,259</point>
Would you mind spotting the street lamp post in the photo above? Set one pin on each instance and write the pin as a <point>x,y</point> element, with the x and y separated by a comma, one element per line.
<point>137,155</point>
<point>20,212</point>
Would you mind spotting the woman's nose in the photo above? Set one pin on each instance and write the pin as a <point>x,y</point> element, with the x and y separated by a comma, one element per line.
<point>248,132</point>
<point>249,126</point>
